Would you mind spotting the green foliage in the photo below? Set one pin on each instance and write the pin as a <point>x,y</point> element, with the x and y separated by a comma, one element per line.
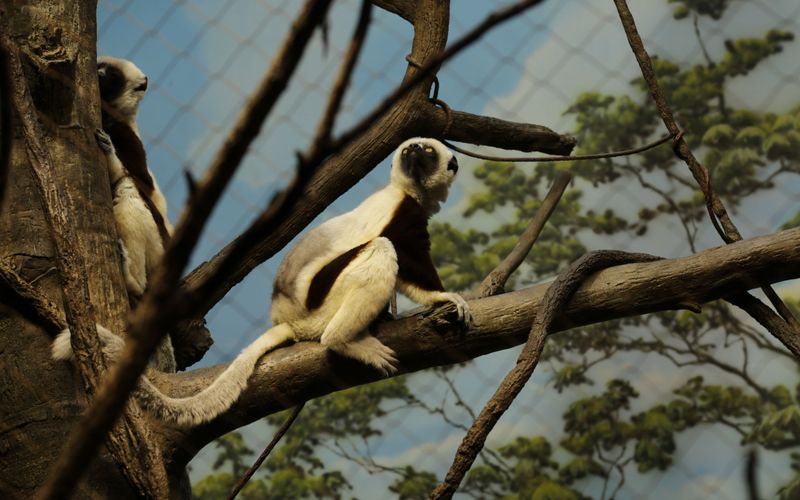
<point>711,8</point>
<point>294,469</point>
<point>528,471</point>
<point>413,484</point>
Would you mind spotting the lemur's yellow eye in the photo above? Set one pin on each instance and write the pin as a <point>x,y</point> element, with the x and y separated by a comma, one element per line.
<point>404,151</point>
<point>429,150</point>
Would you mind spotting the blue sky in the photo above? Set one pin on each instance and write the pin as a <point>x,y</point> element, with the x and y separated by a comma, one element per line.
<point>204,57</point>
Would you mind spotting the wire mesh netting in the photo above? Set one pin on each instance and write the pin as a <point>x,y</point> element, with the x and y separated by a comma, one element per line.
<point>663,406</point>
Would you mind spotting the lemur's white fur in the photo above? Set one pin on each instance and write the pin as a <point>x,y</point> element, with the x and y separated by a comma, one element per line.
<point>142,246</point>
<point>358,293</point>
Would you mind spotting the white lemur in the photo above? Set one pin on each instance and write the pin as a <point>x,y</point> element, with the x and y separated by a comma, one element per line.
<point>140,209</point>
<point>336,281</point>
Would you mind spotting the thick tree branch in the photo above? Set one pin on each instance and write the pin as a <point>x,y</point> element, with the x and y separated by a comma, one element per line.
<point>297,373</point>
<point>488,131</point>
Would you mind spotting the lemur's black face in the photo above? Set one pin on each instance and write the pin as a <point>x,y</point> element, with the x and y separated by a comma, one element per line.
<point>419,161</point>
<point>122,86</point>
<point>112,81</point>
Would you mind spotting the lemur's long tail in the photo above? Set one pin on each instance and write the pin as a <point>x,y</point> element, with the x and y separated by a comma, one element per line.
<point>206,404</point>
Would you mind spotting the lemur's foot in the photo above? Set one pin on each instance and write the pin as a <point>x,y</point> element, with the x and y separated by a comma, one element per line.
<point>104,141</point>
<point>371,351</point>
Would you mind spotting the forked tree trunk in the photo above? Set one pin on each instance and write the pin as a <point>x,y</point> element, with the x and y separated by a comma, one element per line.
<point>42,400</point>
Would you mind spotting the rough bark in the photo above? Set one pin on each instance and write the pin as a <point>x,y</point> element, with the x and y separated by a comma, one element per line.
<point>43,400</point>
<point>297,373</point>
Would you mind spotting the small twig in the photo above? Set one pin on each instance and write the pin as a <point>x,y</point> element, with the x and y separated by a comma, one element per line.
<point>495,281</point>
<point>556,297</point>
<point>28,302</point>
<point>597,156</point>
<point>716,210</point>
<point>264,454</point>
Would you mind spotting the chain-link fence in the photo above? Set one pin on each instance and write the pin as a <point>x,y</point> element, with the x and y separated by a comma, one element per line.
<point>669,433</point>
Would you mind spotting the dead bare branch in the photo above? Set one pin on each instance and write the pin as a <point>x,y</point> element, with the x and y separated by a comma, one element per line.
<point>495,281</point>
<point>323,136</point>
<point>769,320</point>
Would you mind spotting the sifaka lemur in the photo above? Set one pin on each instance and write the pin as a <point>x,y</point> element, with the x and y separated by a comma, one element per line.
<point>336,281</point>
<point>140,209</point>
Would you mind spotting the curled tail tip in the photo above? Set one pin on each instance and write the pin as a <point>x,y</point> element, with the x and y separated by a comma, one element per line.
<point>61,348</point>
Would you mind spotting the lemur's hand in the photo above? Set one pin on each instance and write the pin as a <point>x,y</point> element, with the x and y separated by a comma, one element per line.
<point>104,141</point>
<point>462,308</point>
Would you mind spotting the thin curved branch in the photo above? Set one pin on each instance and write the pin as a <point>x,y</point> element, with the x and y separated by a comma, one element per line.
<point>495,281</point>
<point>558,295</point>
<point>264,454</point>
<point>297,373</point>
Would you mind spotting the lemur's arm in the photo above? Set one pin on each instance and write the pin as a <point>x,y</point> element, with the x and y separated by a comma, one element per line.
<point>116,170</point>
<point>419,281</point>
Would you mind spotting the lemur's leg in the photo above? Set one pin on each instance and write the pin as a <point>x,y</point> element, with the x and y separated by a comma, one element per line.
<point>367,284</point>
<point>133,258</point>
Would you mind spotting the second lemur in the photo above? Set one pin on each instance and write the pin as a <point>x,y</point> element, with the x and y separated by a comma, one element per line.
<point>336,281</point>
<point>140,209</point>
